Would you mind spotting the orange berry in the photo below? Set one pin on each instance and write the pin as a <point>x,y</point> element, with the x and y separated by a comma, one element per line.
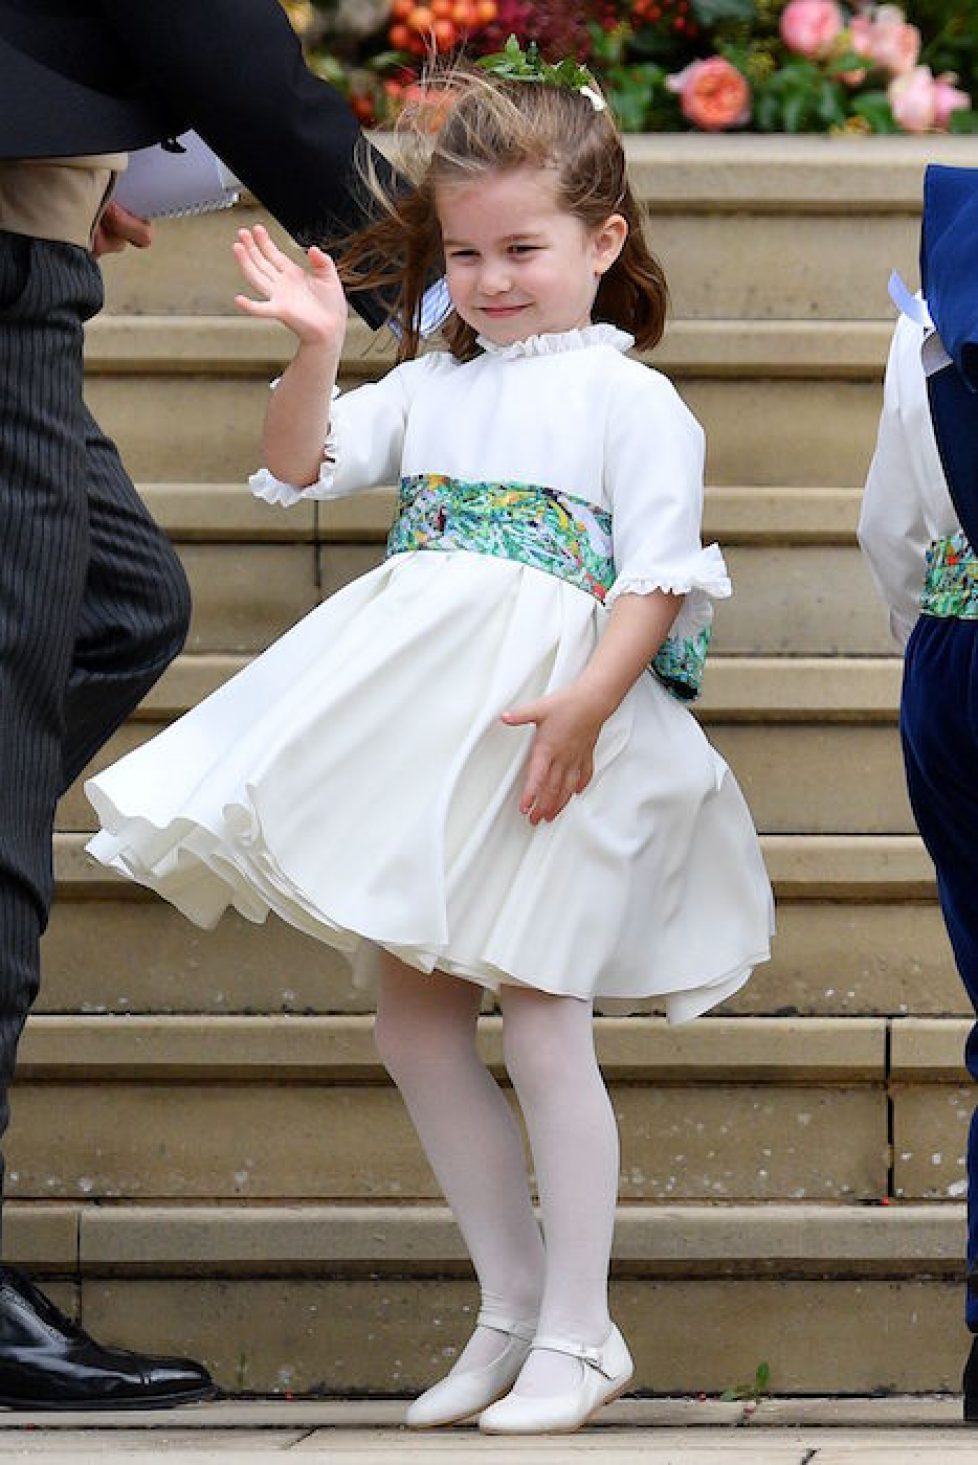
<point>363,109</point>
<point>401,9</point>
<point>399,37</point>
<point>442,9</point>
<point>445,35</point>
<point>420,20</point>
<point>486,10</point>
<point>464,14</point>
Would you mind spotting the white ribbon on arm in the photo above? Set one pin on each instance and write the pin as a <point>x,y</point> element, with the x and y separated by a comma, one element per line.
<point>933,356</point>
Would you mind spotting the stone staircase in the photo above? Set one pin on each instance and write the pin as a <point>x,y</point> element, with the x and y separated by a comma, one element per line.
<point>205,1154</point>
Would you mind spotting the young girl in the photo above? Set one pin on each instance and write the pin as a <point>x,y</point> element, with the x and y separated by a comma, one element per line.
<point>461,763</point>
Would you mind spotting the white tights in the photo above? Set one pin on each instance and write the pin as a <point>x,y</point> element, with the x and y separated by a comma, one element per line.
<point>425,1033</point>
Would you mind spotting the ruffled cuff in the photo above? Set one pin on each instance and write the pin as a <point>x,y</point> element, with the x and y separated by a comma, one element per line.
<point>271,490</point>
<point>701,577</point>
<point>705,570</point>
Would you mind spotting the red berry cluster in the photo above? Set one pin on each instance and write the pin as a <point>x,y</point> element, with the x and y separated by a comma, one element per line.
<point>442,23</point>
<point>668,14</point>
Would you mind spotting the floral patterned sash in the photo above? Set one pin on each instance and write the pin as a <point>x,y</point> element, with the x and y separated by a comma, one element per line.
<point>541,527</point>
<point>951,583</point>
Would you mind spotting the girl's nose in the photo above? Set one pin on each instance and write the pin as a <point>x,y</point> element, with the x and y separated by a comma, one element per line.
<point>495,278</point>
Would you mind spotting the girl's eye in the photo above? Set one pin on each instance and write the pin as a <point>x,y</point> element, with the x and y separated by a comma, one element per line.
<point>522,249</point>
<point>462,254</point>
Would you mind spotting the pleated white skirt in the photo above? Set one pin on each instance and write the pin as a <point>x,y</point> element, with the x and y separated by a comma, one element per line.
<point>357,780</point>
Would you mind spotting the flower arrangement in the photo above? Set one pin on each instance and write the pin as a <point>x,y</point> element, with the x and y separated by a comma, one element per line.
<point>670,65</point>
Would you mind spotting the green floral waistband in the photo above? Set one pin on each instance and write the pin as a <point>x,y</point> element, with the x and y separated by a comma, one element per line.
<point>556,532</point>
<point>951,583</point>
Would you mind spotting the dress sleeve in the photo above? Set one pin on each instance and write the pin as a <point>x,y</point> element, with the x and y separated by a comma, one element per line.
<point>654,455</point>
<point>654,459</point>
<point>893,531</point>
<point>364,443</point>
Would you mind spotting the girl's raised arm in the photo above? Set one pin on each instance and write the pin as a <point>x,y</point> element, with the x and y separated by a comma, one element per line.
<point>310,303</point>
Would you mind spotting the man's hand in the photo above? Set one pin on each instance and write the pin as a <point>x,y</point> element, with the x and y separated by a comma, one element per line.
<point>561,759</point>
<point>118,228</point>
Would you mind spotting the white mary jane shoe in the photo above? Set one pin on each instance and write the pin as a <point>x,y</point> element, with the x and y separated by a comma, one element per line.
<point>605,1373</point>
<point>467,1391</point>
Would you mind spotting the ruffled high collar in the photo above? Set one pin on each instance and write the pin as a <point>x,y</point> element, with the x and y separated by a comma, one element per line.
<point>555,342</point>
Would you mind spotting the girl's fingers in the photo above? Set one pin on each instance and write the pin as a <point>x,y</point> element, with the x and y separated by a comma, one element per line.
<point>269,250</point>
<point>319,259</point>
<point>519,716</point>
<point>253,307</point>
<point>258,279</point>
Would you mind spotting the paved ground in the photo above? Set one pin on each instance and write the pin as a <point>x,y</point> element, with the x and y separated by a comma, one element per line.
<point>660,1432</point>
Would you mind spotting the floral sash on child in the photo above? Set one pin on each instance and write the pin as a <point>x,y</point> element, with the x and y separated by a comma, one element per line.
<point>541,527</point>
<point>951,584</point>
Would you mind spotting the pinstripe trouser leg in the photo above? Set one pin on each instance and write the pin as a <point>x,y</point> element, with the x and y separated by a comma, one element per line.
<point>93,602</point>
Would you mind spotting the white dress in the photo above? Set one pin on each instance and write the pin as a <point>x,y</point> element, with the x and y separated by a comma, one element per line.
<point>356,777</point>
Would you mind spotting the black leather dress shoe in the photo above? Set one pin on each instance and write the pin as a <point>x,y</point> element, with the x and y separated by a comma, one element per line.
<point>970,1384</point>
<point>47,1362</point>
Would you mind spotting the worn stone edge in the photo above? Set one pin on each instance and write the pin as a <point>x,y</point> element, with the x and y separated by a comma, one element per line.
<point>283,1047</point>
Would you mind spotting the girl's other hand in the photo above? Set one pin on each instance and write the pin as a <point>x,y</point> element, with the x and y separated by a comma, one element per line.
<point>561,759</point>
<point>310,302</point>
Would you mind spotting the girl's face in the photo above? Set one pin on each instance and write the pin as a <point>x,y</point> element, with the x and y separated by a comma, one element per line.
<point>517,264</point>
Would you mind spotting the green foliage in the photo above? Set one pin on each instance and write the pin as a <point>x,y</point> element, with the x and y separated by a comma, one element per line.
<point>711,13</point>
<point>963,122</point>
<point>800,97</point>
<point>875,108</point>
<point>949,29</point>
<point>515,64</point>
<point>753,1391</point>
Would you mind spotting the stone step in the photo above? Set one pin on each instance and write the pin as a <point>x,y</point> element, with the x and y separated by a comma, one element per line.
<point>226,513</point>
<point>754,689</point>
<point>804,600</point>
<point>745,227</point>
<point>191,390</point>
<point>859,933</point>
<point>791,551</point>
<point>119,954</point>
<point>729,1109</point>
<point>812,741</point>
<point>298,1108</point>
<point>834,1298</point>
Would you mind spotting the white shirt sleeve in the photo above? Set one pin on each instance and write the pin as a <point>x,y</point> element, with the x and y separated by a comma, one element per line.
<point>893,530</point>
<point>654,457</point>
<point>365,441</point>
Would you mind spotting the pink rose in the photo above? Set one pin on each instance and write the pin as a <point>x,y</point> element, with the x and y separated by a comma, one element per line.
<point>885,39</point>
<point>913,99</point>
<point>861,35</point>
<point>810,27</point>
<point>896,45</point>
<point>947,99</point>
<point>713,94</point>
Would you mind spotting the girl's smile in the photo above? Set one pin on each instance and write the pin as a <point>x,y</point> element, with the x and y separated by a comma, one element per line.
<point>517,263</point>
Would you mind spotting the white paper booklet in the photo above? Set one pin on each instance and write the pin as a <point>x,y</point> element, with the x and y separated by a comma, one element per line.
<point>162,184</point>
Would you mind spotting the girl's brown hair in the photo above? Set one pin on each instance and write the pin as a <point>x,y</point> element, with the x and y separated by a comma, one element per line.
<point>489,124</point>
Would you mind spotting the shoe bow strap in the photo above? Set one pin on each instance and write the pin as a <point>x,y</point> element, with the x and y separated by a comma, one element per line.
<point>500,1323</point>
<point>595,1357</point>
